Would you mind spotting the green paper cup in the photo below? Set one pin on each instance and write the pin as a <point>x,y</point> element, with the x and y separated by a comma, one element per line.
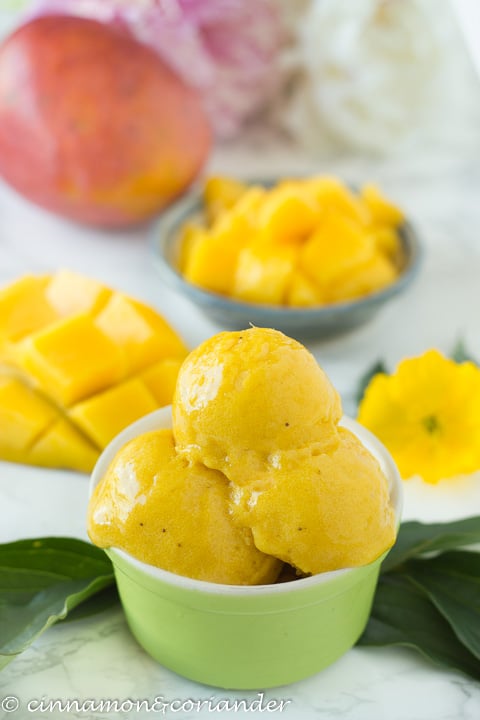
<point>240,637</point>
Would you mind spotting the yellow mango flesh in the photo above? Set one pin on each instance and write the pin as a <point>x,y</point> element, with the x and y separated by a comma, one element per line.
<point>69,293</point>
<point>241,247</point>
<point>212,261</point>
<point>387,242</point>
<point>374,274</point>
<point>262,276</point>
<point>142,335</point>
<point>288,215</point>
<point>221,194</point>
<point>302,291</point>
<point>382,211</point>
<point>165,512</point>
<point>189,236</point>
<point>338,247</point>
<point>104,415</point>
<point>161,378</point>
<point>79,362</point>
<point>336,199</point>
<point>72,359</point>
<point>62,446</point>
<point>24,415</point>
<point>24,308</point>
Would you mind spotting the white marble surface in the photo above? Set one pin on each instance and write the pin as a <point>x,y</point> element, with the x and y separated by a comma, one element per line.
<point>439,186</point>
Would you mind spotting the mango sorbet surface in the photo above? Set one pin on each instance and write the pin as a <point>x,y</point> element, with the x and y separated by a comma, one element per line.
<point>241,398</point>
<point>255,472</point>
<point>168,512</point>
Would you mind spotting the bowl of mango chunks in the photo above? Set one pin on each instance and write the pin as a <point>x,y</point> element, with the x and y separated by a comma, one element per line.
<point>309,256</point>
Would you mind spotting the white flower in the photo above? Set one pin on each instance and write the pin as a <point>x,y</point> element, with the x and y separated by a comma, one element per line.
<point>370,71</point>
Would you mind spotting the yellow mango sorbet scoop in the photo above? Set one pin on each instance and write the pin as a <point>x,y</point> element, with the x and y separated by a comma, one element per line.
<point>167,512</point>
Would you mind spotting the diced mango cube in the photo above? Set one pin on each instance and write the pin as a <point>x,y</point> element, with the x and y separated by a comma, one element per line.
<point>213,260</point>
<point>288,215</point>
<point>335,249</point>
<point>335,198</point>
<point>24,308</point>
<point>303,292</point>
<point>243,216</point>
<point>161,379</point>
<point>220,194</point>
<point>106,414</point>
<point>69,293</point>
<point>189,236</point>
<point>24,415</point>
<point>387,242</point>
<point>72,359</point>
<point>141,335</point>
<point>374,274</point>
<point>62,446</point>
<point>383,212</point>
<point>263,273</point>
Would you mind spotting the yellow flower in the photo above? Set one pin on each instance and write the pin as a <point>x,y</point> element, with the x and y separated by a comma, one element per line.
<point>428,415</point>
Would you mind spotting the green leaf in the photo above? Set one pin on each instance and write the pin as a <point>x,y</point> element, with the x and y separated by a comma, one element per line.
<point>403,615</point>
<point>460,353</point>
<point>452,582</point>
<point>415,538</point>
<point>98,603</point>
<point>41,581</point>
<point>364,382</point>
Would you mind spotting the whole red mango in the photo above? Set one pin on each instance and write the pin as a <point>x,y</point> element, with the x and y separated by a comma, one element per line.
<point>93,125</point>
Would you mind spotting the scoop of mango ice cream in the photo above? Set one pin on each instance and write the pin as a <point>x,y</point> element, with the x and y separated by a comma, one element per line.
<point>161,509</point>
<point>242,397</point>
<point>255,472</point>
<point>320,511</point>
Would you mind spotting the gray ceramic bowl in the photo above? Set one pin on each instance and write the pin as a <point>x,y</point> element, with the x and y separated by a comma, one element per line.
<point>308,323</point>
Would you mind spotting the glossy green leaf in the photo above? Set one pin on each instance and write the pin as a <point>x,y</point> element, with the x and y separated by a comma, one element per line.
<point>98,603</point>
<point>417,539</point>
<point>403,615</point>
<point>452,583</point>
<point>41,581</point>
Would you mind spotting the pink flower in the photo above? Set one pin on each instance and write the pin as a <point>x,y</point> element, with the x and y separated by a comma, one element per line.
<point>228,49</point>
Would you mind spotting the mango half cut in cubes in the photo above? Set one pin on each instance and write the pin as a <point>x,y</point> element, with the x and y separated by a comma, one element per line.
<point>78,363</point>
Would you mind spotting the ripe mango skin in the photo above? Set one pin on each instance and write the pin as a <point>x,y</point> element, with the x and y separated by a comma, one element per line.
<point>93,125</point>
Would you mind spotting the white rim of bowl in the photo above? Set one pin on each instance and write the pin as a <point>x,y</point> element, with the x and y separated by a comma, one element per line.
<point>162,419</point>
